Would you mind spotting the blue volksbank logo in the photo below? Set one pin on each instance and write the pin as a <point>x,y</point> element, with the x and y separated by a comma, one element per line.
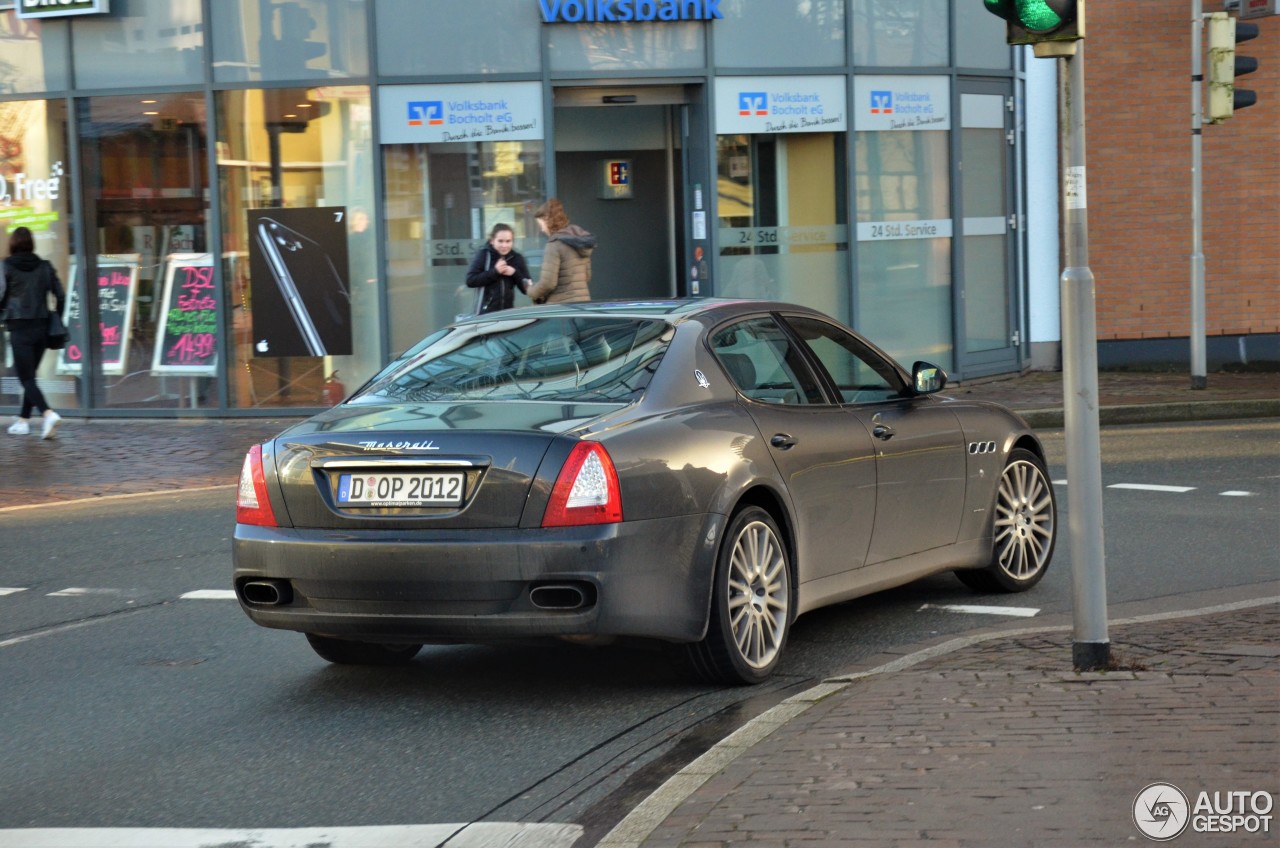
<point>429,112</point>
<point>882,102</point>
<point>607,11</point>
<point>753,103</point>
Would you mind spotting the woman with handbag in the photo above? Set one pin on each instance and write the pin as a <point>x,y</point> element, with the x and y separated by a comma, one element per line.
<point>24,301</point>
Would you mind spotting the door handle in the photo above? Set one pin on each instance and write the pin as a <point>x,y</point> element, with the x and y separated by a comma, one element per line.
<point>782,441</point>
<point>882,432</point>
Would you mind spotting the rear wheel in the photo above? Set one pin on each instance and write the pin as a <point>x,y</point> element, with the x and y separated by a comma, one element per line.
<point>1024,528</point>
<point>349,652</point>
<point>750,603</point>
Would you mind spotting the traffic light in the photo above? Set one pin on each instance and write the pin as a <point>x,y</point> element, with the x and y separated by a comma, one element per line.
<point>1052,25</point>
<point>1225,65</point>
<point>286,56</point>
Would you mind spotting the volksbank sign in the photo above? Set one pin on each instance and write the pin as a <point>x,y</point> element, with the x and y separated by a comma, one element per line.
<point>60,8</point>
<point>621,11</point>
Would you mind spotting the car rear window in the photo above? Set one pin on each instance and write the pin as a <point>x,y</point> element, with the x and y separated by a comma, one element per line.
<point>589,358</point>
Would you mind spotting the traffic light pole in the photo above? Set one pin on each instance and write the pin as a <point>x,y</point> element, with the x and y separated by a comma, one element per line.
<point>1199,379</point>
<point>1090,647</point>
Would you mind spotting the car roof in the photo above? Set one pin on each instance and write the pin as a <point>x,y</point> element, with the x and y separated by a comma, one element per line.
<point>674,310</point>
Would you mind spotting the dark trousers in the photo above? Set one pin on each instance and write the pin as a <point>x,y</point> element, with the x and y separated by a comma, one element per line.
<point>26,337</point>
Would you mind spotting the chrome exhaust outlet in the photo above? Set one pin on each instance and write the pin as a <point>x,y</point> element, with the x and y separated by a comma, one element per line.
<point>557,596</point>
<point>267,593</point>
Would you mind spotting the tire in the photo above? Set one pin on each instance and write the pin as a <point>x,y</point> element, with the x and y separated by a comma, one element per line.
<point>349,652</point>
<point>750,604</point>
<point>1024,527</point>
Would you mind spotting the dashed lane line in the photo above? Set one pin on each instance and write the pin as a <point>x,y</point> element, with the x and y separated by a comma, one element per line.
<point>209,595</point>
<point>978,609</point>
<point>1151,487</point>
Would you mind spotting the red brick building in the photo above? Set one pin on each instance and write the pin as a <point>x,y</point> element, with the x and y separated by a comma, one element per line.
<point>1139,116</point>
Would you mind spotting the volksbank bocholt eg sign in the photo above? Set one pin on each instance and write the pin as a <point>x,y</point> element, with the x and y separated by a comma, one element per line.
<point>59,8</point>
<point>780,104</point>
<point>621,11</point>
<point>431,114</point>
<point>895,103</point>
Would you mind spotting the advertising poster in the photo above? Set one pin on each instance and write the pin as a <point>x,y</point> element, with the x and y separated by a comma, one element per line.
<point>298,282</point>
<point>117,285</point>
<point>187,334</point>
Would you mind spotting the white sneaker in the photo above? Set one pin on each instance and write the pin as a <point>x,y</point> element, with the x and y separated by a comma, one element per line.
<point>19,427</point>
<point>51,420</point>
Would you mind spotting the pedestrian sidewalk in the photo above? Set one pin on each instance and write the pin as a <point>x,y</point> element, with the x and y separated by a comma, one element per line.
<point>109,456</point>
<point>994,741</point>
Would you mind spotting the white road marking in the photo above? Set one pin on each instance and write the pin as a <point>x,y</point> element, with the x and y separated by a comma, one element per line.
<point>480,835</point>
<point>1235,494</point>
<point>80,592</point>
<point>1059,482</point>
<point>977,609</point>
<point>1151,487</point>
<point>209,595</point>
<point>4,591</point>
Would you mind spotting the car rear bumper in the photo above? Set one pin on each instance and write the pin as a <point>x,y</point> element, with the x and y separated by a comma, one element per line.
<point>637,578</point>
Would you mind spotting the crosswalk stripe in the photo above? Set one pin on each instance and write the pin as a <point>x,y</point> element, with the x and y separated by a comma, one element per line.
<point>978,609</point>
<point>1151,487</point>
<point>80,592</point>
<point>4,591</point>
<point>209,595</point>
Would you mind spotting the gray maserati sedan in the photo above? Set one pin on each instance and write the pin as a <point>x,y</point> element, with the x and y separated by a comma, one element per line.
<point>698,472</point>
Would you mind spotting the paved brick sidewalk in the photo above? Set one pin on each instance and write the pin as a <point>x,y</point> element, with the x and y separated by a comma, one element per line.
<point>997,745</point>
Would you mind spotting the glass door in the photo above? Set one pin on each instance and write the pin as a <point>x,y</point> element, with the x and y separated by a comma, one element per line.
<point>988,294</point>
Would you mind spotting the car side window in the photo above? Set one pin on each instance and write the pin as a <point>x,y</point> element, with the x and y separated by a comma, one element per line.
<point>859,373</point>
<point>764,364</point>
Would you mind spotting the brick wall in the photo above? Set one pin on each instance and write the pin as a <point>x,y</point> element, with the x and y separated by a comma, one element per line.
<point>1138,115</point>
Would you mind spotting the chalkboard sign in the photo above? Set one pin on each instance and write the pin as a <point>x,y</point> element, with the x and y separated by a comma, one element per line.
<point>117,283</point>
<point>187,334</point>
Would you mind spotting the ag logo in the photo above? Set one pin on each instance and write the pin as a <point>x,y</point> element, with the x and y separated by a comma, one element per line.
<point>1161,811</point>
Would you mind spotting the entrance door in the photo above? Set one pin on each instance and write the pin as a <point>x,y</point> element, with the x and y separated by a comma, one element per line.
<point>989,297</point>
<point>624,172</point>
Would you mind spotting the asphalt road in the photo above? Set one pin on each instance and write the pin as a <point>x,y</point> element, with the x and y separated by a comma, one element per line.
<point>128,703</point>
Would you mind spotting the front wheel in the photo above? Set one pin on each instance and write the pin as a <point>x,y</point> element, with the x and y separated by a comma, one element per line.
<point>750,603</point>
<point>349,652</point>
<point>1024,528</point>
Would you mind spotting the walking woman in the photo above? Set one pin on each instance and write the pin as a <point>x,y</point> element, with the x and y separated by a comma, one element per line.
<point>24,297</point>
<point>499,270</point>
<point>566,264</point>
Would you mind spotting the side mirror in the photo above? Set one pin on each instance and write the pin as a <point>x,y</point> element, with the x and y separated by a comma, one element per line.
<point>927,378</point>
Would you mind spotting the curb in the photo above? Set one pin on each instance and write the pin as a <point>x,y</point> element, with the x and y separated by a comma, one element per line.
<point>647,816</point>
<point>1160,413</point>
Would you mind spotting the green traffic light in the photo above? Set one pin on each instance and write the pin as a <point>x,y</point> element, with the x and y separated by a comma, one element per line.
<point>1036,16</point>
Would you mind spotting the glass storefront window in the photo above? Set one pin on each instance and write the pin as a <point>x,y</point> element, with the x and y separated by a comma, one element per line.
<point>482,37</point>
<point>803,33</point>
<point>295,172</point>
<point>904,245</point>
<point>631,47</point>
<point>35,192</point>
<point>901,33</point>
<point>144,166</point>
<point>33,55</point>
<point>442,201</point>
<point>139,43</point>
<point>783,225</point>
<point>289,39</point>
<point>980,39</point>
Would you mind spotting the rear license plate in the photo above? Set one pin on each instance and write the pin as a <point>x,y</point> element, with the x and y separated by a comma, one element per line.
<point>401,488</point>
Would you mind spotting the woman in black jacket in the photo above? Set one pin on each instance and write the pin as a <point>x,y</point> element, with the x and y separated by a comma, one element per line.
<point>24,296</point>
<point>499,270</point>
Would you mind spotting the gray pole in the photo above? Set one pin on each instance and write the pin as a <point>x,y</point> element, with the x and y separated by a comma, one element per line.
<point>1090,648</point>
<point>1198,377</point>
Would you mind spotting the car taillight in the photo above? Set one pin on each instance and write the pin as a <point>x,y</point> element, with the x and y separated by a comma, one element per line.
<point>252,504</point>
<point>586,492</point>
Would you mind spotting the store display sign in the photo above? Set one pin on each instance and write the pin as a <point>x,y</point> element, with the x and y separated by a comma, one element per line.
<point>888,103</point>
<point>430,114</point>
<point>116,285</point>
<point>187,336</point>
<point>61,8</point>
<point>780,104</point>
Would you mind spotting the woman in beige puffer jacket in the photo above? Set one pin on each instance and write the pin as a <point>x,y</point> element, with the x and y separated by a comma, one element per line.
<point>566,263</point>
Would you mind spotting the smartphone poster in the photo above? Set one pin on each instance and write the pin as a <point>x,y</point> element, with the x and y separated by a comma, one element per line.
<point>301,304</point>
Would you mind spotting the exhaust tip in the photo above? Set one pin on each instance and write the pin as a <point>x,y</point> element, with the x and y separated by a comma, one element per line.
<point>561,596</point>
<point>267,593</point>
